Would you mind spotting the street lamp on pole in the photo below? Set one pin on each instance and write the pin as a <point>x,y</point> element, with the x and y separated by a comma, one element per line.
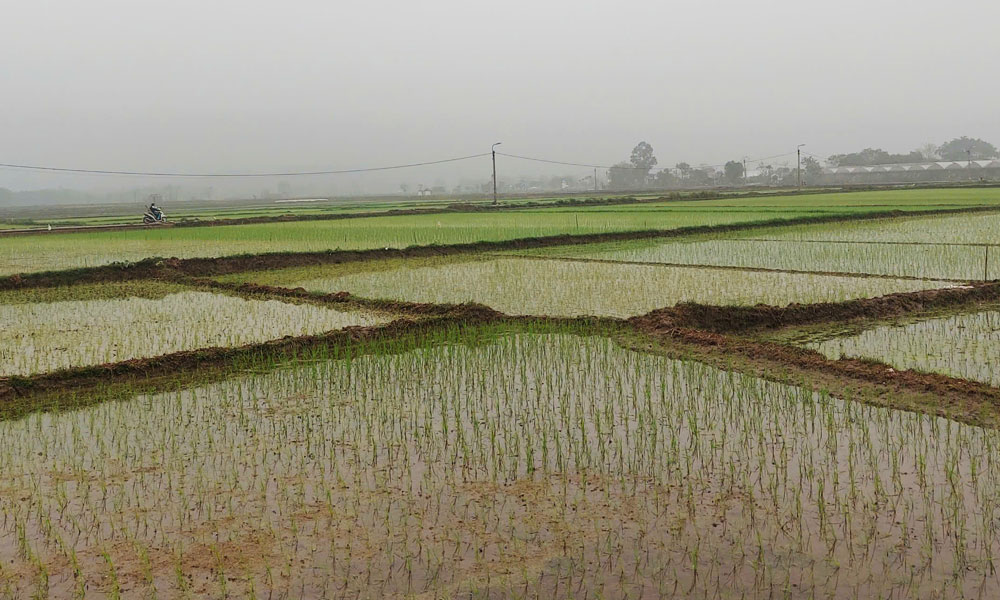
<point>493,150</point>
<point>798,163</point>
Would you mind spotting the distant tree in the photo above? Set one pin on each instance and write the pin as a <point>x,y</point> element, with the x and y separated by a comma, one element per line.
<point>642,156</point>
<point>929,152</point>
<point>812,171</point>
<point>874,156</point>
<point>734,172</point>
<point>700,177</point>
<point>625,176</point>
<point>684,168</point>
<point>634,174</point>
<point>965,148</point>
<point>664,178</point>
<point>868,156</point>
<point>404,188</point>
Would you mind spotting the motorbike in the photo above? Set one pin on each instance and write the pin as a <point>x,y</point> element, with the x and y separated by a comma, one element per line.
<point>154,217</point>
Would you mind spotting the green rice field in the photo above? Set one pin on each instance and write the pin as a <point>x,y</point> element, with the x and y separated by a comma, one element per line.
<point>566,288</point>
<point>917,247</point>
<point>637,420</point>
<point>521,467</point>
<point>45,252</point>
<point>965,345</point>
<point>72,333</point>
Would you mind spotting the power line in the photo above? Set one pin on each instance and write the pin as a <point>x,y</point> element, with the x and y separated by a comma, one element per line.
<point>279,174</point>
<point>347,171</point>
<point>571,164</point>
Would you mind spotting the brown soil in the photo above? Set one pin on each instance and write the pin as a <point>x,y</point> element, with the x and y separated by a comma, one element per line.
<point>469,312</point>
<point>733,319</point>
<point>204,267</point>
<point>863,380</point>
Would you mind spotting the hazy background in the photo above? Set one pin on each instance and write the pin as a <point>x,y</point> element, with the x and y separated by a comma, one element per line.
<point>299,85</point>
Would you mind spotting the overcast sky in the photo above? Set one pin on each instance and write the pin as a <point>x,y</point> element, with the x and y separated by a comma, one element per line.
<point>214,85</point>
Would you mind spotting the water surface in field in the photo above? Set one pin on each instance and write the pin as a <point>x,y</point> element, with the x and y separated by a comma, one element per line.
<point>947,262</point>
<point>37,337</point>
<point>568,288</point>
<point>522,466</point>
<point>965,346</point>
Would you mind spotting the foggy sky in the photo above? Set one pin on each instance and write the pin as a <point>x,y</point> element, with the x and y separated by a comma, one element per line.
<point>243,86</point>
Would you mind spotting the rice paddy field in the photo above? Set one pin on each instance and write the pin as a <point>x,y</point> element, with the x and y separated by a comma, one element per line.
<point>965,345</point>
<point>944,247</point>
<point>50,336</point>
<point>526,286</point>
<point>766,411</point>
<point>45,252</point>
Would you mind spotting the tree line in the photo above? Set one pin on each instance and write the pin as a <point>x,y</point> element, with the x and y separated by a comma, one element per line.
<point>637,172</point>
<point>962,148</point>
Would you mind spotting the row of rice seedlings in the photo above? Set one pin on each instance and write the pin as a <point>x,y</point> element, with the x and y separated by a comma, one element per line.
<point>963,346</point>
<point>64,251</point>
<point>537,287</point>
<point>949,262</point>
<point>526,467</point>
<point>44,337</point>
<point>980,228</point>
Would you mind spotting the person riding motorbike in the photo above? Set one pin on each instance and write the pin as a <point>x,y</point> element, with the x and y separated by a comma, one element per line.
<point>153,215</point>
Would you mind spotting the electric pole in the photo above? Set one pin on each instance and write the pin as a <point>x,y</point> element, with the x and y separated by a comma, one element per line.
<point>798,164</point>
<point>595,179</point>
<point>493,149</point>
<point>745,170</point>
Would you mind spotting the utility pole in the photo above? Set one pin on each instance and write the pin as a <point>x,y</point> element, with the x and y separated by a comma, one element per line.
<point>493,149</point>
<point>745,170</point>
<point>798,164</point>
<point>595,179</point>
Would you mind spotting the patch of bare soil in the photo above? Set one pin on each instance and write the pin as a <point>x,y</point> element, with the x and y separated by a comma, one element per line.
<point>864,380</point>
<point>734,319</point>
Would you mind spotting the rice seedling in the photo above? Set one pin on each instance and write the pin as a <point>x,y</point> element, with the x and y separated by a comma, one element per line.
<point>525,466</point>
<point>947,262</point>
<point>47,336</point>
<point>555,287</point>
<point>980,228</point>
<point>964,345</point>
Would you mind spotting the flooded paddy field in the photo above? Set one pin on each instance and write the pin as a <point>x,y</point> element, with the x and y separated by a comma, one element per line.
<point>888,259</point>
<point>962,345</point>
<point>523,465</point>
<point>90,325</point>
<point>737,421</point>
<point>945,247</point>
<point>564,288</point>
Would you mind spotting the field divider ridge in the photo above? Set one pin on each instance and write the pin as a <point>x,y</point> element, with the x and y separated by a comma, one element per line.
<point>155,267</point>
<point>867,381</point>
<point>864,242</point>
